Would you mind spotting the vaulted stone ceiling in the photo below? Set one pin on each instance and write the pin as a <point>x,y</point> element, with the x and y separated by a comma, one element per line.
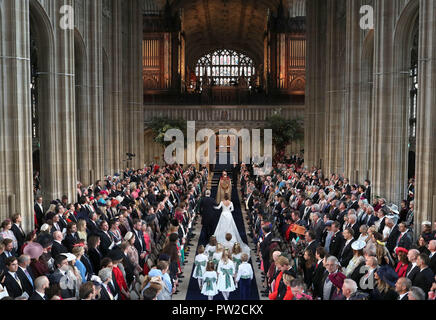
<point>233,24</point>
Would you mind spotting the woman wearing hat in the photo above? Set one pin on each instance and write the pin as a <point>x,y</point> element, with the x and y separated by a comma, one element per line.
<point>357,261</point>
<point>403,262</point>
<point>132,252</point>
<point>385,278</point>
<point>39,266</point>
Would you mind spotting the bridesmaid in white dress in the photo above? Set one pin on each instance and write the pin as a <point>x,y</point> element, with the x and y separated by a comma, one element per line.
<point>210,277</point>
<point>226,273</point>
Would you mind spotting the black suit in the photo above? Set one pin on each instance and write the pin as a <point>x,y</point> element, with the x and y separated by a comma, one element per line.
<point>12,285</point>
<point>95,257</point>
<point>19,235</point>
<point>265,251</point>
<point>25,282</point>
<point>35,296</point>
<point>312,246</point>
<point>346,254</point>
<point>105,242</point>
<point>433,263</point>
<point>318,275</point>
<point>392,238</point>
<point>39,215</point>
<point>411,273</point>
<point>70,240</point>
<point>336,244</point>
<point>318,228</point>
<point>424,280</point>
<point>405,241</point>
<point>57,249</point>
<point>208,217</point>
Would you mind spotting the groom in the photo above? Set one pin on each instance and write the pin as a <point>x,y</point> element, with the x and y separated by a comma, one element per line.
<point>209,216</point>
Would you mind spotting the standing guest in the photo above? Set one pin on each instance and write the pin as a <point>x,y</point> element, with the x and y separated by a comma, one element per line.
<point>297,289</point>
<point>244,277</point>
<point>86,291</point>
<point>79,251</point>
<point>8,250</point>
<point>39,212</point>
<point>38,265</point>
<point>117,256</point>
<point>403,262</point>
<point>423,246</point>
<point>171,250</point>
<point>279,288</point>
<point>18,231</point>
<point>432,255</point>
<point>416,293</point>
<point>12,282</point>
<point>412,268</point>
<point>350,292</point>
<point>210,278</point>
<point>346,253</point>
<point>132,252</point>
<point>94,253</point>
<point>200,265</point>
<point>287,280</point>
<point>71,238</point>
<point>25,274</point>
<point>41,284</point>
<point>81,230</point>
<point>355,265</point>
<point>57,248</point>
<point>329,291</point>
<point>7,233</point>
<point>106,293</point>
<point>363,229</point>
<point>425,277</point>
<point>337,240</point>
<point>402,287</point>
<point>385,278</point>
<point>308,266</point>
<point>319,272</point>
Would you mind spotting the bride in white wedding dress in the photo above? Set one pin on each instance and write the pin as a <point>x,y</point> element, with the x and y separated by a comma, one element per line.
<point>226,224</point>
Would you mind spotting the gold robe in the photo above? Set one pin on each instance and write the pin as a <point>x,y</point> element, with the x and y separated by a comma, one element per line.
<point>225,186</point>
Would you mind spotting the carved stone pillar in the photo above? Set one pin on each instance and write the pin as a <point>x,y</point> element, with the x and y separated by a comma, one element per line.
<point>16,183</point>
<point>425,193</point>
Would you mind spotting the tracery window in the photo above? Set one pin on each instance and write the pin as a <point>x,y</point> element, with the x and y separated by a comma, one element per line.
<point>413,92</point>
<point>224,67</point>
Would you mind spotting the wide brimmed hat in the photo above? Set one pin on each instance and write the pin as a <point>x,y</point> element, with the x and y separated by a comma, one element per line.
<point>34,250</point>
<point>394,208</point>
<point>337,279</point>
<point>358,245</point>
<point>387,274</point>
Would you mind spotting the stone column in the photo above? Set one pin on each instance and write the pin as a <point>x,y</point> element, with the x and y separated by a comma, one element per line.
<point>335,87</point>
<point>314,122</point>
<point>16,182</point>
<point>63,150</point>
<point>425,204</point>
<point>357,130</point>
<point>95,57</point>
<point>389,154</point>
<point>117,88</point>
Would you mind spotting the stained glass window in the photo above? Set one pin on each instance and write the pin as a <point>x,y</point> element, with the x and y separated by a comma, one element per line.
<point>224,67</point>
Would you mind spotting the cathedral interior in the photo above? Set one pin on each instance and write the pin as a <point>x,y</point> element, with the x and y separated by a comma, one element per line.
<point>77,96</point>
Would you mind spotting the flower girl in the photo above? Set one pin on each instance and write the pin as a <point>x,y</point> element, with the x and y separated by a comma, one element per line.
<point>211,247</point>
<point>216,257</point>
<point>200,265</point>
<point>210,277</point>
<point>226,271</point>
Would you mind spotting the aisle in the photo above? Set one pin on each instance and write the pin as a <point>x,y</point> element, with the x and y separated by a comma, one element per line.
<point>193,289</point>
